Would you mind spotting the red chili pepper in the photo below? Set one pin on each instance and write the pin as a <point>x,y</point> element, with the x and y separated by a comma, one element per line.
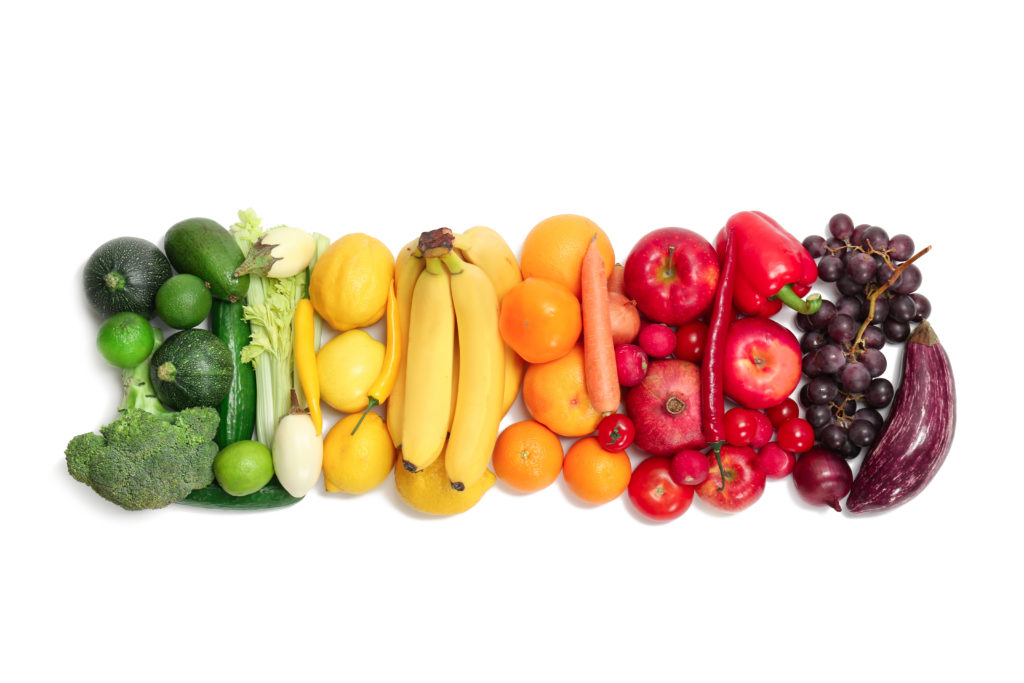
<point>711,372</point>
<point>615,432</point>
<point>773,268</point>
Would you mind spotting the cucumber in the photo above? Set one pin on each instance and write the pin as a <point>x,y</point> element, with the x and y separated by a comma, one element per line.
<point>204,248</point>
<point>238,409</point>
<point>272,495</point>
<point>192,368</point>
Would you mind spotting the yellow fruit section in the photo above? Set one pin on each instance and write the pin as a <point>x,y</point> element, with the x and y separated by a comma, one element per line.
<point>350,282</point>
<point>357,463</point>
<point>430,492</point>
<point>347,366</point>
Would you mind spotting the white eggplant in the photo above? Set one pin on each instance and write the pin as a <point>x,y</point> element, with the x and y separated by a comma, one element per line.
<point>298,453</point>
<point>281,252</point>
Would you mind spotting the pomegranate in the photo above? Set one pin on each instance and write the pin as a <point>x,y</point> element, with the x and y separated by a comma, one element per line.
<point>665,407</point>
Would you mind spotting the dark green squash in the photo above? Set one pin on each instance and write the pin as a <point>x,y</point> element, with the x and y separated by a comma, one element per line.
<point>124,274</point>
<point>192,368</point>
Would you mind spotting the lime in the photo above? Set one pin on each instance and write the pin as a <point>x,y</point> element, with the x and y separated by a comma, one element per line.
<point>125,339</point>
<point>243,467</point>
<point>183,301</point>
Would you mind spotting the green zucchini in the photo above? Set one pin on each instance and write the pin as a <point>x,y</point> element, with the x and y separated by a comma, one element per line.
<point>206,249</point>
<point>192,368</point>
<point>272,495</point>
<point>238,409</point>
<point>125,274</point>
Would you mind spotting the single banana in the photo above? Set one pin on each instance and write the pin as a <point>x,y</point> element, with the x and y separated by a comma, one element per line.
<point>408,267</point>
<point>484,247</point>
<point>481,374</point>
<point>428,376</point>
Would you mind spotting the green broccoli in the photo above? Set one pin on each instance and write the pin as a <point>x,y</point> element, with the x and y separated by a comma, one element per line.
<point>149,457</point>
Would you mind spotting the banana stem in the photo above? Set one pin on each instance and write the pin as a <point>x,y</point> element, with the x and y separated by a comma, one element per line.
<point>433,266</point>
<point>454,263</point>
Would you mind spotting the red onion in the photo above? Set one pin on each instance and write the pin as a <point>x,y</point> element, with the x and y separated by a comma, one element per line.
<point>822,477</point>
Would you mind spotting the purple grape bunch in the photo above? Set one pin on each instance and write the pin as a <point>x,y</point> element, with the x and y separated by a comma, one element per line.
<point>844,365</point>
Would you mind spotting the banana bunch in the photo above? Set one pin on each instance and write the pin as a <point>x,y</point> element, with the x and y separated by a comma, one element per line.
<point>459,379</point>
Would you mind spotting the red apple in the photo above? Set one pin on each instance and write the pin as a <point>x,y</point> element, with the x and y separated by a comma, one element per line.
<point>671,273</point>
<point>762,363</point>
<point>744,482</point>
<point>665,407</point>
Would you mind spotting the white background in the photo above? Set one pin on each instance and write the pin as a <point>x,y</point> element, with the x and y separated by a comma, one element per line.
<point>392,118</point>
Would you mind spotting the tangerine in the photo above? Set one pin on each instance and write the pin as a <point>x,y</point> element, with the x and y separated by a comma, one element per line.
<point>527,456</point>
<point>554,250</point>
<point>556,396</point>
<point>540,320</point>
<point>593,474</point>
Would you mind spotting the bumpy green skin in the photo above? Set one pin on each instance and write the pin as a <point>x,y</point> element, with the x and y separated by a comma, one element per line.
<point>144,462</point>
<point>270,496</point>
<point>238,409</point>
<point>204,248</point>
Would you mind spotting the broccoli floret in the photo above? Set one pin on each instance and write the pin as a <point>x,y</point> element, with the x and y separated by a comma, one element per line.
<point>143,461</point>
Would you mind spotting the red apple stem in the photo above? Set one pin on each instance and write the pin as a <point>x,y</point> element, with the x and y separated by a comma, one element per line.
<point>716,448</point>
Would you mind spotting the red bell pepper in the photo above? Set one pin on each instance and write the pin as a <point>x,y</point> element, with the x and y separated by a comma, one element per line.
<point>772,267</point>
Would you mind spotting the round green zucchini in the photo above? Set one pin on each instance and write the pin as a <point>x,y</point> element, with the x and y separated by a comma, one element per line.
<point>124,274</point>
<point>192,368</point>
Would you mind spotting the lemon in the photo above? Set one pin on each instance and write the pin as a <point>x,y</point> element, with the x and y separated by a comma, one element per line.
<point>347,366</point>
<point>430,491</point>
<point>350,282</point>
<point>357,463</point>
<point>125,339</point>
<point>243,467</point>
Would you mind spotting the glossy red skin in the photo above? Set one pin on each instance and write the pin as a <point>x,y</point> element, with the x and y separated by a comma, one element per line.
<point>762,363</point>
<point>765,429</point>
<point>690,340</point>
<point>615,432</point>
<point>796,435</point>
<point>680,296</point>
<point>744,482</point>
<point>654,493</point>
<point>658,431</point>
<point>782,412</point>
<point>775,462</point>
<point>740,426</point>
<point>689,467</point>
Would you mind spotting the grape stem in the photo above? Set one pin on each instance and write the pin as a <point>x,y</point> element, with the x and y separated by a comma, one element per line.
<point>858,341</point>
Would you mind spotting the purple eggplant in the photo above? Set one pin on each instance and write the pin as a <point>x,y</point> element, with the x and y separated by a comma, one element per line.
<point>918,432</point>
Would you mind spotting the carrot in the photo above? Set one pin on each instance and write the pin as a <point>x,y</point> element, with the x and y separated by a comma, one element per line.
<point>617,280</point>
<point>599,371</point>
<point>305,361</point>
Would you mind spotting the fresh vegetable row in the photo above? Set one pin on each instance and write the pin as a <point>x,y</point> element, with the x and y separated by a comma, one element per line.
<point>673,357</point>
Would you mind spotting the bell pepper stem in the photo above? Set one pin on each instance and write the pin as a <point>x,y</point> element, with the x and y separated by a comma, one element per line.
<point>716,448</point>
<point>809,306</point>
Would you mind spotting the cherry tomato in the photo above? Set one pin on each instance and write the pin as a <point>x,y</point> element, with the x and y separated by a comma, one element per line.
<point>653,492</point>
<point>690,341</point>
<point>784,411</point>
<point>764,431</point>
<point>740,426</point>
<point>615,432</point>
<point>795,435</point>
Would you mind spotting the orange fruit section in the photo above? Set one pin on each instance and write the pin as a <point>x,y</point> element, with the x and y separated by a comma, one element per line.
<point>593,474</point>
<point>540,320</point>
<point>527,456</point>
<point>556,396</point>
<point>554,248</point>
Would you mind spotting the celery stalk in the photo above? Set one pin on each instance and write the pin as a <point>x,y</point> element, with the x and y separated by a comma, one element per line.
<point>270,309</point>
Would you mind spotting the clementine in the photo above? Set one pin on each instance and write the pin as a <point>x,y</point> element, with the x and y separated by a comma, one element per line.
<point>554,249</point>
<point>556,396</point>
<point>527,456</point>
<point>593,474</point>
<point>540,320</point>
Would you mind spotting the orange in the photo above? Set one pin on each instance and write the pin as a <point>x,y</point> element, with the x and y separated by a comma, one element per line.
<point>540,320</point>
<point>595,475</point>
<point>554,249</point>
<point>556,396</point>
<point>527,456</point>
